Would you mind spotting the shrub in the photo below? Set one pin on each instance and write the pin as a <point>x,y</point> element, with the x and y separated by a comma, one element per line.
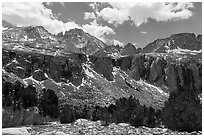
<point>11,118</point>
<point>183,112</point>
<point>68,114</point>
<point>48,103</point>
<point>125,110</point>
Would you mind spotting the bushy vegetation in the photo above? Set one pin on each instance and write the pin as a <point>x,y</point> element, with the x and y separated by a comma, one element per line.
<point>126,110</point>
<point>183,112</point>
<point>18,103</point>
<point>22,117</point>
<point>48,103</point>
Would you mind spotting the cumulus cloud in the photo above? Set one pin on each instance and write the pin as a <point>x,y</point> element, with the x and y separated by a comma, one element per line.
<point>89,15</point>
<point>114,16</point>
<point>117,42</point>
<point>49,3</point>
<point>24,14</point>
<point>52,3</point>
<point>98,31</point>
<point>141,12</point>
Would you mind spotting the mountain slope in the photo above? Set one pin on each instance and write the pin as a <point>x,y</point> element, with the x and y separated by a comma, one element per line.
<point>76,40</point>
<point>183,43</point>
<point>6,25</point>
<point>129,50</point>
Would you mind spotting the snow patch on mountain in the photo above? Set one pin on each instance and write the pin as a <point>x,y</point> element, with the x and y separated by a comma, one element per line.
<point>80,45</point>
<point>88,72</point>
<point>184,51</point>
<point>142,82</point>
<point>4,28</point>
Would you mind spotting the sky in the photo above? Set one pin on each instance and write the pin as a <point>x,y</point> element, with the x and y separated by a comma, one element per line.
<point>112,22</point>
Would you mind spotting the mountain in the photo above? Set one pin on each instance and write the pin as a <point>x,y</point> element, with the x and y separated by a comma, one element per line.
<point>109,51</point>
<point>88,81</point>
<point>30,37</point>
<point>6,25</point>
<point>183,43</point>
<point>76,40</point>
<point>130,50</point>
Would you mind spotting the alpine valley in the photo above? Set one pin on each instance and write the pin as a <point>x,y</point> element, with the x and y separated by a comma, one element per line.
<point>73,77</point>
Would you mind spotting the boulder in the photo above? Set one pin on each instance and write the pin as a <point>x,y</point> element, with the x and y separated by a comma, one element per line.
<point>39,75</point>
<point>15,131</point>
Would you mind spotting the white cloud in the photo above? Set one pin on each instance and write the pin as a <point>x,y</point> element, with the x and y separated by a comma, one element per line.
<point>117,42</point>
<point>98,31</point>
<point>141,12</point>
<point>94,5</point>
<point>143,32</point>
<point>114,16</point>
<point>49,3</point>
<point>24,14</point>
<point>89,15</point>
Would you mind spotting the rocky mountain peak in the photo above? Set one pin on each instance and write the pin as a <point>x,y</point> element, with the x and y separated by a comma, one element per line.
<point>75,31</point>
<point>76,40</point>
<point>130,49</point>
<point>182,43</point>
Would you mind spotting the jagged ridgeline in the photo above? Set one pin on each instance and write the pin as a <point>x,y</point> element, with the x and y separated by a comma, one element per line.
<point>74,75</point>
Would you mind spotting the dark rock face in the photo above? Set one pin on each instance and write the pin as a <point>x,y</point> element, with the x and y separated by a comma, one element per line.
<point>124,63</point>
<point>171,73</point>
<point>103,66</point>
<point>156,70</point>
<point>108,51</point>
<point>129,49</point>
<point>187,41</point>
<point>39,75</point>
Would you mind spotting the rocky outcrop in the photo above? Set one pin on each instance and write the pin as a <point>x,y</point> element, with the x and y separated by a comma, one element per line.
<point>164,71</point>
<point>15,131</point>
<point>108,51</point>
<point>76,40</point>
<point>130,50</point>
<point>176,41</point>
